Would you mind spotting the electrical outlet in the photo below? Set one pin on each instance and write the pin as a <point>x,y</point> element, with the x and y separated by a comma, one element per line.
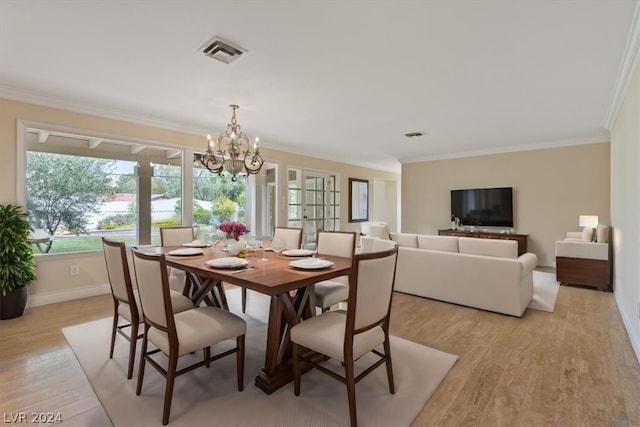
<point>74,270</point>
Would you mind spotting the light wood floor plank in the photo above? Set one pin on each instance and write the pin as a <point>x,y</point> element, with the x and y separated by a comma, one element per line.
<point>571,367</point>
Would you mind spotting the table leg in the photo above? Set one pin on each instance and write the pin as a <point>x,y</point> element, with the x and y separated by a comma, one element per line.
<point>284,313</point>
<point>210,291</point>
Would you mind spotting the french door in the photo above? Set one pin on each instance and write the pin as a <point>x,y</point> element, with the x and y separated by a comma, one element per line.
<point>314,199</point>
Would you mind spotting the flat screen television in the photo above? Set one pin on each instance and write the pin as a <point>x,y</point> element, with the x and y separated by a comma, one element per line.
<point>490,207</point>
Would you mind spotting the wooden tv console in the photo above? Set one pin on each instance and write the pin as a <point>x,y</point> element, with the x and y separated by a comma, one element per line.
<point>520,238</point>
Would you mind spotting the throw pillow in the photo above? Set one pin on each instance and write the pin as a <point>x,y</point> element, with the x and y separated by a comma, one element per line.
<point>602,234</point>
<point>587,233</point>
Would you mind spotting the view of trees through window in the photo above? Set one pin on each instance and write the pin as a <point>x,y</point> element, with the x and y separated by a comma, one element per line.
<point>74,201</point>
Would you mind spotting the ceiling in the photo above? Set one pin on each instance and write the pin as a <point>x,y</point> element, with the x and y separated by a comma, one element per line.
<point>338,80</point>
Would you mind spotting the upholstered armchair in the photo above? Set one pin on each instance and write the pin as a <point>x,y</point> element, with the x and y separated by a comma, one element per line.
<point>585,258</point>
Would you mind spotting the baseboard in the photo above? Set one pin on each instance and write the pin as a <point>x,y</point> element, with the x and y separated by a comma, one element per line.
<point>68,295</point>
<point>633,337</point>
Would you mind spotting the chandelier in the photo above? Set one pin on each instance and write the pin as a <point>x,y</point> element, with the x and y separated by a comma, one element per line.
<point>232,152</point>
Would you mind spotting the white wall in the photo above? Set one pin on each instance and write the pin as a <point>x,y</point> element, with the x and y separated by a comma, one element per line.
<point>625,209</point>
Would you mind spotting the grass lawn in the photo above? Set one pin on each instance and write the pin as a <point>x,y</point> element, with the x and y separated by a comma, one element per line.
<point>86,243</point>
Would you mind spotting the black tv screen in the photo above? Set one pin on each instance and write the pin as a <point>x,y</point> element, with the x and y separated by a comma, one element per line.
<point>492,207</point>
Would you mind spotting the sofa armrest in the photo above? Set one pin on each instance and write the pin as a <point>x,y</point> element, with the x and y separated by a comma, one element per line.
<point>574,235</point>
<point>529,261</point>
<point>582,249</point>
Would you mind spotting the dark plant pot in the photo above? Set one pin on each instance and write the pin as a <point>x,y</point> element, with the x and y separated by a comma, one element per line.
<point>13,303</point>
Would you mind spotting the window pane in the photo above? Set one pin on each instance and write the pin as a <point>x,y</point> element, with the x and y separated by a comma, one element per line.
<point>80,189</point>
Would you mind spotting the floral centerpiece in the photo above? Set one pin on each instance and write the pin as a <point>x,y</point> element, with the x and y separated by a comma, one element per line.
<point>233,229</point>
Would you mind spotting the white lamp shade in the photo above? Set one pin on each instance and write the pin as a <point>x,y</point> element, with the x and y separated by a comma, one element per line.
<point>589,221</point>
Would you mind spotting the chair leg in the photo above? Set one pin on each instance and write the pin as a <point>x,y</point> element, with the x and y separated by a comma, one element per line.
<point>351,390</point>
<point>387,352</point>
<point>207,355</point>
<point>240,361</point>
<point>114,329</point>
<point>168,393</point>
<point>296,370</point>
<point>244,300</point>
<point>143,353</point>
<point>133,339</point>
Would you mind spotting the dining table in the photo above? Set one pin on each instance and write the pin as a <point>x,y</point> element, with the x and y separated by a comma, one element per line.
<point>290,290</point>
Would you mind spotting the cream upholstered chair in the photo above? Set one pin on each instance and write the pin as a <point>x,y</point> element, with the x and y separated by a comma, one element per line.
<point>125,298</point>
<point>292,238</point>
<point>178,334</point>
<point>337,243</point>
<point>584,258</point>
<point>177,236</point>
<point>362,329</point>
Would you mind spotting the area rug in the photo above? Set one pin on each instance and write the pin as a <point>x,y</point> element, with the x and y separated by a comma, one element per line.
<point>545,291</point>
<point>210,396</point>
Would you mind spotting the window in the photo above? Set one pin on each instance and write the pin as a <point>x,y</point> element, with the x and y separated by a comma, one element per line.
<point>216,199</point>
<point>79,189</point>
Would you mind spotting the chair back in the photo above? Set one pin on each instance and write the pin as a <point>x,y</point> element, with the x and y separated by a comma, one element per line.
<point>371,289</point>
<point>336,243</point>
<point>374,244</point>
<point>176,236</point>
<point>115,256</point>
<point>383,245</point>
<point>153,287</point>
<point>292,236</point>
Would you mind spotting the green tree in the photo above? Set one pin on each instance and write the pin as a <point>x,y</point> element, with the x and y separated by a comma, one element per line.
<point>62,190</point>
<point>126,184</point>
<point>223,208</point>
<point>167,179</point>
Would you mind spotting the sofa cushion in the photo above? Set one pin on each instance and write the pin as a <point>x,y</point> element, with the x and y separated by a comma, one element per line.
<point>602,234</point>
<point>438,243</point>
<point>380,231</point>
<point>405,239</point>
<point>587,234</point>
<point>488,247</point>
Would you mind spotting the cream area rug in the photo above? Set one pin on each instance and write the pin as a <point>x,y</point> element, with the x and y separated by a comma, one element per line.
<point>545,291</point>
<point>210,396</point>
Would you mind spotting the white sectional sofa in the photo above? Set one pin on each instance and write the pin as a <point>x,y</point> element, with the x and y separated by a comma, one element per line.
<point>480,273</point>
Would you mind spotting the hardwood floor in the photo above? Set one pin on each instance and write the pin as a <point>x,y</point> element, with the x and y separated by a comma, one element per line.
<point>571,367</point>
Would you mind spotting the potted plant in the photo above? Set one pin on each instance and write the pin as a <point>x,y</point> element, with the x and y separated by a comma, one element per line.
<point>17,266</point>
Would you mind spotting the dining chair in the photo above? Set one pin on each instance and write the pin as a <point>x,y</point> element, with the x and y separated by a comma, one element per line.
<point>292,238</point>
<point>337,243</point>
<point>348,336</point>
<point>125,298</point>
<point>182,333</point>
<point>177,236</point>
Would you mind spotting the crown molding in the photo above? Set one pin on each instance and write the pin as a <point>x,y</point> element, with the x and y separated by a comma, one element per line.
<point>46,100</point>
<point>62,104</point>
<point>597,139</point>
<point>630,60</point>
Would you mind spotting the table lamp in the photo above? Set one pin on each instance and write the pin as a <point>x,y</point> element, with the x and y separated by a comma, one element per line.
<point>588,221</point>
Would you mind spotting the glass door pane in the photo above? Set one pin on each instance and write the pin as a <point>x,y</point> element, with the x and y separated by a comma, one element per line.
<point>315,204</point>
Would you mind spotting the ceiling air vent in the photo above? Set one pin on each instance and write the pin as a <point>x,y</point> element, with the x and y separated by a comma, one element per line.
<point>222,50</point>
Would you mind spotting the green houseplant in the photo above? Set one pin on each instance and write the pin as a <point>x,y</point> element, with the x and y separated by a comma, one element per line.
<point>17,266</point>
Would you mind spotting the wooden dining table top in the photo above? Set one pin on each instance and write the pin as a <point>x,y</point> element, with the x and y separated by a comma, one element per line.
<point>272,277</point>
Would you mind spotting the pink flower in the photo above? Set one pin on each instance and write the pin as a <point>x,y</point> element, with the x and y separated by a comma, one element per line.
<point>233,229</point>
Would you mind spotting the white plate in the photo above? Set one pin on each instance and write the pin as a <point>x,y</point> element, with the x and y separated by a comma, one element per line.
<point>227,262</point>
<point>298,252</point>
<point>196,244</point>
<point>311,263</point>
<point>186,252</point>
